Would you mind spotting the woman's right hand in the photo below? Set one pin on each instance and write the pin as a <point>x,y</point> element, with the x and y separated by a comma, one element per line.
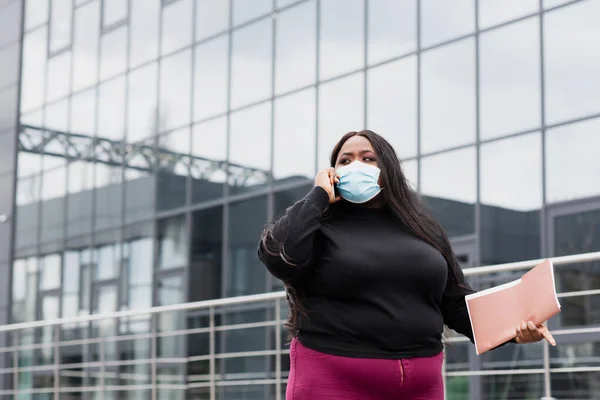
<point>326,180</point>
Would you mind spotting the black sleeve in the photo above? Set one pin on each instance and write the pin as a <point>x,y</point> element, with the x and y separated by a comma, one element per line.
<point>454,307</point>
<point>287,245</point>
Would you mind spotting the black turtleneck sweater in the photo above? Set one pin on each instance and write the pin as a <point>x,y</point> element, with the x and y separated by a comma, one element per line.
<point>368,287</point>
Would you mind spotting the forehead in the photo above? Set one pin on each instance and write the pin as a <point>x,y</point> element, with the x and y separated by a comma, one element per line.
<point>356,144</point>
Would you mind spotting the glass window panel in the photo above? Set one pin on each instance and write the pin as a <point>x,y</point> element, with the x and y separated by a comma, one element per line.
<point>138,253</point>
<point>295,141</point>
<point>494,12</point>
<point>283,3</point>
<point>572,163</point>
<point>253,156</point>
<point>50,272</point>
<point>341,39</point>
<point>209,145</point>
<point>60,23</point>
<point>114,53</point>
<point>83,113</point>
<point>141,103</point>
<point>448,96</point>
<point>496,387</point>
<point>56,117</point>
<point>576,385</point>
<point>111,109</point>
<point>392,104</point>
<point>33,69</point>
<point>173,152</point>
<point>247,274</point>
<point>244,11</point>
<point>510,79</point>
<point>296,47</point>
<point>572,61</point>
<point>80,202</point>
<point>108,195</point>
<point>175,91</point>
<point>206,255</point>
<point>449,183</point>
<point>108,260</point>
<point>341,110</point>
<point>139,188</point>
<point>251,63</point>
<point>392,28</point>
<point>511,197</point>
<point>9,69</point>
<point>442,20</point>
<point>105,301</point>
<point>177,27</point>
<point>211,78</point>
<point>170,290</point>
<point>36,13</point>
<point>19,287</point>
<point>579,311</point>
<point>143,24</point>
<point>411,172</point>
<point>85,45</point>
<point>114,11</point>
<point>59,72</point>
<point>554,3</point>
<point>212,17</point>
<point>172,243</point>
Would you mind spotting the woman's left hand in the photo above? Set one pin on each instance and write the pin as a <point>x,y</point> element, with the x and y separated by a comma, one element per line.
<point>527,332</point>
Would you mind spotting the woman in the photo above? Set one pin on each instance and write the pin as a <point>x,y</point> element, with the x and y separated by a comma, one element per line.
<point>371,281</point>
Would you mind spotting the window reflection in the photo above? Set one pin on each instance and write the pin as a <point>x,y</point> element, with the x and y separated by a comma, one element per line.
<point>244,11</point>
<point>111,109</point>
<point>141,103</point>
<point>411,172</point>
<point>174,164</point>
<point>54,186</point>
<point>442,20</point>
<point>511,197</point>
<point>341,39</point>
<point>448,96</point>
<point>85,45</point>
<point>251,63</point>
<point>80,202</point>
<point>392,104</point>
<point>105,301</point>
<point>140,185</point>
<point>175,91</point>
<point>295,141</point>
<point>572,61</point>
<point>510,79</point>
<point>449,182</point>
<point>59,71</point>
<point>250,158</point>
<point>108,195</point>
<point>296,47</point>
<point>246,220</point>
<point>392,28</point>
<point>495,12</point>
<point>143,25</point>
<point>210,78</point>
<point>177,26</point>
<point>206,255</point>
<point>341,110</point>
<point>60,23</point>
<point>50,272</point>
<point>33,67</point>
<point>107,255</point>
<point>212,17</point>
<point>138,253</point>
<point>209,152</point>
<point>172,243</point>
<point>572,163</point>
<point>114,53</point>
<point>114,11</point>
<point>170,290</point>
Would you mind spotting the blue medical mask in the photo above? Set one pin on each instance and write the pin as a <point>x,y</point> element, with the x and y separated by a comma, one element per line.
<point>358,182</point>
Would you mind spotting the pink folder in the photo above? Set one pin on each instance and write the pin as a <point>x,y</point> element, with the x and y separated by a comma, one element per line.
<point>495,313</point>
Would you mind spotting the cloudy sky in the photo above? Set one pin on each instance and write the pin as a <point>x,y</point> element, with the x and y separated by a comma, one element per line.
<point>190,84</point>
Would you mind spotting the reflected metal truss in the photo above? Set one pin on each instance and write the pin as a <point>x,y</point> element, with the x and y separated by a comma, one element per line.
<point>147,156</point>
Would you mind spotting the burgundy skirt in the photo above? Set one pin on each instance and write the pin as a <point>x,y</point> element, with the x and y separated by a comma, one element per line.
<point>318,376</point>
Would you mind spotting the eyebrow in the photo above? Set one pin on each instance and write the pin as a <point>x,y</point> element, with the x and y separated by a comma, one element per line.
<point>360,152</point>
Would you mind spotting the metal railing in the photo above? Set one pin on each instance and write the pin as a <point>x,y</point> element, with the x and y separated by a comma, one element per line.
<point>202,349</point>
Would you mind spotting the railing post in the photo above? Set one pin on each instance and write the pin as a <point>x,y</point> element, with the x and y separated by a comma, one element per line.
<point>153,352</point>
<point>212,345</point>
<point>15,364</point>
<point>278,355</point>
<point>101,350</point>
<point>56,348</point>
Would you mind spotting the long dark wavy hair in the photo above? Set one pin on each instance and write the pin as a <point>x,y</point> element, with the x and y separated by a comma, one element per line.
<point>406,205</point>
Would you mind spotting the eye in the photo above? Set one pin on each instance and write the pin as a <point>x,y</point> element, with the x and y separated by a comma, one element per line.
<point>369,159</point>
<point>344,161</point>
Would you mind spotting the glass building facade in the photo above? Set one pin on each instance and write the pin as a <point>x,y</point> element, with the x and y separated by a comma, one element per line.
<point>144,144</point>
